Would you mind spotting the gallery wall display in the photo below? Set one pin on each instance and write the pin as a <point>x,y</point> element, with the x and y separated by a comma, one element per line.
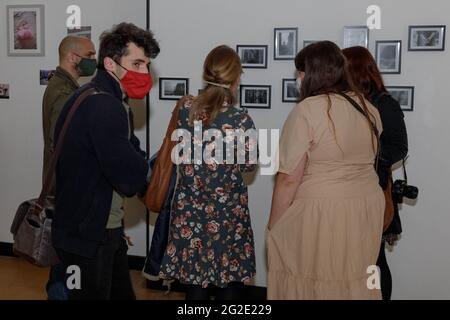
<point>285,43</point>
<point>255,96</point>
<point>173,88</point>
<point>45,76</point>
<point>290,90</point>
<point>426,38</point>
<point>356,36</point>
<point>25,30</point>
<point>389,56</point>
<point>4,91</point>
<point>404,95</point>
<point>85,31</point>
<point>253,56</point>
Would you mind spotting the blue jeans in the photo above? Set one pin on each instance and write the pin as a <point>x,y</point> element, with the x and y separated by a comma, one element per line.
<point>56,285</point>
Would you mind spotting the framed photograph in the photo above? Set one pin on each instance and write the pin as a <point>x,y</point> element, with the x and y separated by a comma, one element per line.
<point>389,56</point>
<point>253,56</point>
<point>81,32</point>
<point>4,91</point>
<point>173,88</point>
<point>255,96</point>
<point>404,96</point>
<point>426,38</point>
<point>285,43</point>
<point>25,30</point>
<point>356,36</point>
<point>308,42</point>
<point>290,90</point>
<point>45,76</point>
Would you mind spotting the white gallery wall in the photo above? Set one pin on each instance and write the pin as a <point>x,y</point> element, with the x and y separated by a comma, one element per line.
<point>21,141</point>
<point>187,31</point>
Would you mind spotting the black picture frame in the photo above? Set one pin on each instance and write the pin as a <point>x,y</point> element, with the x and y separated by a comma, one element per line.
<point>177,94</point>
<point>290,48</point>
<point>286,96</point>
<point>409,106</point>
<point>255,105</point>
<point>308,42</point>
<point>423,28</point>
<point>247,61</point>
<point>349,42</point>
<point>383,63</point>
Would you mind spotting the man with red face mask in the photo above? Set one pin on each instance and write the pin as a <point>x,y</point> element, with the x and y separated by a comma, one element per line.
<point>101,163</point>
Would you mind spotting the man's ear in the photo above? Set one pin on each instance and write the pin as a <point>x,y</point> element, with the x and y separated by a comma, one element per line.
<point>109,64</point>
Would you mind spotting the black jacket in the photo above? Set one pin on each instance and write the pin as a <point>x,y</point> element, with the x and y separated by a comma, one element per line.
<point>394,145</point>
<point>97,157</point>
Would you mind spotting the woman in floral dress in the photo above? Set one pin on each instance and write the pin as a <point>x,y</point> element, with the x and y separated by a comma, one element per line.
<point>210,241</point>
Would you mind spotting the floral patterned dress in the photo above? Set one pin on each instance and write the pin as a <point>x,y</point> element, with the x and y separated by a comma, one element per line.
<point>210,237</point>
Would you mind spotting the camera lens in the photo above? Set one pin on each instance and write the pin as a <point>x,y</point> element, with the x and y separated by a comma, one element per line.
<point>411,192</point>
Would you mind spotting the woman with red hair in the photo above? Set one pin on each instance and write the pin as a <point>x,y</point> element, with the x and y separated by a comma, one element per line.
<point>394,142</point>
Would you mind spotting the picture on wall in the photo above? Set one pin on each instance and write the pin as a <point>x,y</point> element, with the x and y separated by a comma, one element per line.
<point>45,76</point>
<point>81,32</point>
<point>25,30</point>
<point>426,38</point>
<point>4,91</point>
<point>173,88</point>
<point>290,90</point>
<point>356,36</point>
<point>285,43</point>
<point>253,56</point>
<point>404,96</point>
<point>255,96</point>
<point>308,42</point>
<point>389,56</point>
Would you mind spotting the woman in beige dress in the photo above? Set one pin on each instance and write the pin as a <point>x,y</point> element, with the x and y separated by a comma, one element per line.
<point>327,211</point>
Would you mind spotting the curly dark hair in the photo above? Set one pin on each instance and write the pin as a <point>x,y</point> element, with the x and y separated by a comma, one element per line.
<point>114,42</point>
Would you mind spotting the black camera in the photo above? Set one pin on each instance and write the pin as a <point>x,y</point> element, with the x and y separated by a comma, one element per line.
<point>401,189</point>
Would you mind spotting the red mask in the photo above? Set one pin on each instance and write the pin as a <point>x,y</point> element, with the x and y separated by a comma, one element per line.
<point>136,85</point>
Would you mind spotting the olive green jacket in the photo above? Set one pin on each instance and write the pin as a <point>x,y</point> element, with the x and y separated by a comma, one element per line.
<point>59,89</point>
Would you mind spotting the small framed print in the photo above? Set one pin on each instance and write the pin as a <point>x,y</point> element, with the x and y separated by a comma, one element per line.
<point>4,91</point>
<point>356,36</point>
<point>389,56</point>
<point>173,88</point>
<point>255,96</point>
<point>404,96</point>
<point>25,30</point>
<point>285,43</point>
<point>308,42</point>
<point>253,56</point>
<point>290,90</point>
<point>426,38</point>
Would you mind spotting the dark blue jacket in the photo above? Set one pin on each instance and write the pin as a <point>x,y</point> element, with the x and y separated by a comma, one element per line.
<point>97,157</point>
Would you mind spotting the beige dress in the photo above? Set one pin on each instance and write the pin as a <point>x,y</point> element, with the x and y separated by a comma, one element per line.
<point>324,243</point>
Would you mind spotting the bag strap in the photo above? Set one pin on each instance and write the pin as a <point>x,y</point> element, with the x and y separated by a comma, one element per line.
<point>374,127</point>
<point>40,203</point>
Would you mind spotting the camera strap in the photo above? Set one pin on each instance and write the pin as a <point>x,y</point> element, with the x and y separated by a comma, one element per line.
<point>404,168</point>
<point>373,125</point>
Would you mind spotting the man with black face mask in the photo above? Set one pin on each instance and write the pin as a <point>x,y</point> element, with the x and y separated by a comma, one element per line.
<point>76,59</point>
<point>100,163</point>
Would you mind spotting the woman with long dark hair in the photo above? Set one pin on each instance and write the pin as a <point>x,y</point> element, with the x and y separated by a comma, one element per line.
<point>327,210</point>
<point>394,140</point>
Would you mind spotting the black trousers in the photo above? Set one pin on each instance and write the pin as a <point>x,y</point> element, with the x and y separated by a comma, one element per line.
<point>385,274</point>
<point>234,291</point>
<point>106,276</point>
